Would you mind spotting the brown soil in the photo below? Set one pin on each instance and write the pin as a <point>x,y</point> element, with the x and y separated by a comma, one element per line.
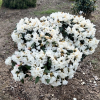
<point>84,86</point>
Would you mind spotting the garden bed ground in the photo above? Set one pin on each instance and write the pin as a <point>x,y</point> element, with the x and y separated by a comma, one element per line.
<point>84,86</point>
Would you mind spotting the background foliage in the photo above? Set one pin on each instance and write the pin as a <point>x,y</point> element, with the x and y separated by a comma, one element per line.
<point>0,3</point>
<point>87,6</point>
<point>19,4</point>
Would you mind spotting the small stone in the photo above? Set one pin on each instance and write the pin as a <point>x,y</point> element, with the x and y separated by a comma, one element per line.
<point>90,81</point>
<point>74,98</point>
<point>15,86</point>
<point>96,78</point>
<point>4,52</point>
<point>83,83</point>
<point>52,94</point>
<point>94,82</point>
<point>3,91</point>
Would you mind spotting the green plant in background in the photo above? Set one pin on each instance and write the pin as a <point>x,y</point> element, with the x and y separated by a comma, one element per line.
<point>19,4</point>
<point>48,11</point>
<point>86,6</point>
<point>0,3</point>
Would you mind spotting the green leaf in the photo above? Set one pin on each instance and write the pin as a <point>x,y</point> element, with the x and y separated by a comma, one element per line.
<point>22,81</point>
<point>54,43</point>
<point>46,71</point>
<point>52,86</point>
<point>40,41</point>
<point>54,50</point>
<point>83,57</point>
<point>85,28</point>
<point>47,80</point>
<point>49,62</point>
<point>47,43</point>
<point>71,20</point>
<point>89,37</point>
<point>31,77</point>
<point>43,48</point>
<point>13,64</point>
<point>26,75</point>
<point>71,36</point>
<point>33,45</point>
<point>20,68</point>
<point>28,67</point>
<point>87,47</point>
<point>61,29</point>
<point>24,68</point>
<point>82,41</point>
<point>17,72</point>
<point>47,34</point>
<point>37,79</point>
<point>66,24</point>
<point>23,35</point>
<point>45,67</point>
<point>44,39</point>
<point>70,51</point>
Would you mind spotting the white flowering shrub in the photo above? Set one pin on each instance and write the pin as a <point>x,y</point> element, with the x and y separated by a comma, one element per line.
<point>51,48</point>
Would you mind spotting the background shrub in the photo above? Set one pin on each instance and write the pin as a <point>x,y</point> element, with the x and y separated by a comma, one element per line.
<point>87,6</point>
<point>19,4</point>
<point>0,3</point>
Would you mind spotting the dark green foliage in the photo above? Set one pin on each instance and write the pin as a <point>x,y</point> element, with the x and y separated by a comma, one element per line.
<point>46,70</point>
<point>47,80</point>
<point>13,64</point>
<point>43,48</point>
<point>31,77</point>
<point>62,29</point>
<point>33,45</point>
<point>83,57</point>
<point>82,42</point>
<point>87,6</point>
<point>49,63</point>
<point>47,34</point>
<point>70,51</point>
<point>37,79</point>
<point>22,81</point>
<point>24,68</point>
<point>19,4</point>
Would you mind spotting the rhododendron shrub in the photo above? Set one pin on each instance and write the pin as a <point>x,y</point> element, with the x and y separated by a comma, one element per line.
<point>50,49</point>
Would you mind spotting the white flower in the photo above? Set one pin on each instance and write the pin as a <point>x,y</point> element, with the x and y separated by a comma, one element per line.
<point>62,75</point>
<point>28,36</point>
<point>36,71</point>
<point>16,37</point>
<point>81,12</point>
<point>52,79</point>
<point>65,82</point>
<point>8,61</point>
<point>56,83</point>
<point>17,76</point>
<point>15,58</point>
<point>26,20</point>
<point>43,79</point>
<point>52,52</point>
<point>21,46</point>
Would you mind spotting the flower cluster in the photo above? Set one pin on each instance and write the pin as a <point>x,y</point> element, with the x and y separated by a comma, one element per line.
<point>51,48</point>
